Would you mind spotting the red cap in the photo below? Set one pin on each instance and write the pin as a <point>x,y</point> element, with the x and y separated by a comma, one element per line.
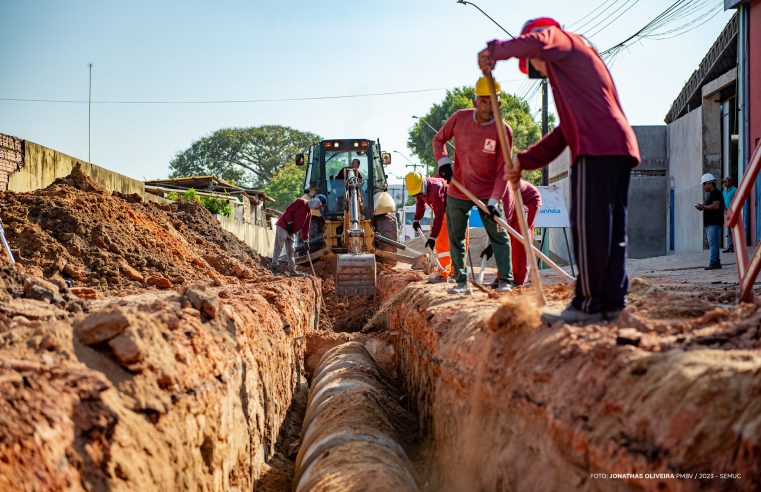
<point>532,25</point>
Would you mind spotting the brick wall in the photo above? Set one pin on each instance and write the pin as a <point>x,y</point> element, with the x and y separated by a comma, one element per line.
<point>11,158</point>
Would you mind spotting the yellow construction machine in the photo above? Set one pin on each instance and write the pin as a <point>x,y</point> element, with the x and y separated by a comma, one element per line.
<point>359,221</point>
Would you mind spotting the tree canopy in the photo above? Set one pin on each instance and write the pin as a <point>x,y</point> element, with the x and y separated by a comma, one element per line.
<point>244,156</point>
<point>515,111</point>
<point>286,185</point>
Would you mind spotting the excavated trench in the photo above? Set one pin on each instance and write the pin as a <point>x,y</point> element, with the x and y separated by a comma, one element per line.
<point>178,362</point>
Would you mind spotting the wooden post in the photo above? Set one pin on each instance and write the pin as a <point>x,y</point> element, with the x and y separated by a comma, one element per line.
<point>536,279</point>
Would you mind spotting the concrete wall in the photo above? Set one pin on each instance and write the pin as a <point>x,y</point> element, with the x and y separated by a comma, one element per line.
<point>685,151</point>
<point>260,239</point>
<point>649,195</point>
<point>42,166</point>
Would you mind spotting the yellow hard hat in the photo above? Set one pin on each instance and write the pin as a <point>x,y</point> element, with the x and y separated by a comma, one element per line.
<point>482,87</point>
<point>414,183</point>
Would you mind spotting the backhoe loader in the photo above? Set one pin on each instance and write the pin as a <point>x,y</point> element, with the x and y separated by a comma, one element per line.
<point>359,221</point>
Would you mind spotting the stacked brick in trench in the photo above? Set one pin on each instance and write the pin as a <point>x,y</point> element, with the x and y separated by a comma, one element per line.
<point>11,158</point>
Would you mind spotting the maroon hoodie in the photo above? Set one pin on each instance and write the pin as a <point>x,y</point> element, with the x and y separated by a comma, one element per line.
<point>298,216</point>
<point>592,122</point>
<point>435,197</point>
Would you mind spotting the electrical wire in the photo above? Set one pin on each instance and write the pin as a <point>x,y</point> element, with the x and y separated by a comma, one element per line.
<point>240,101</point>
<point>692,14</point>
<point>611,21</point>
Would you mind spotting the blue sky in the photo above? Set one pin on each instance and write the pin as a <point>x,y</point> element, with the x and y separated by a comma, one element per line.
<point>225,50</point>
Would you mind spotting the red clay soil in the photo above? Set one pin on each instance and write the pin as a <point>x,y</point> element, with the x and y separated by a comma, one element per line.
<point>159,391</point>
<point>127,387</point>
<point>77,230</point>
<point>509,403</point>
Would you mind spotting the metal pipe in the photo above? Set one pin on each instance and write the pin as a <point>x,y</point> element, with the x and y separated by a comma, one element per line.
<point>390,242</point>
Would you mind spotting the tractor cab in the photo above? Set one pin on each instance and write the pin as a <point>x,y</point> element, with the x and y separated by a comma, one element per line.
<point>328,165</point>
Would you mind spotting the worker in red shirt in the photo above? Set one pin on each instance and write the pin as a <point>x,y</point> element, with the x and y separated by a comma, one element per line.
<point>603,151</point>
<point>296,218</point>
<point>532,201</point>
<point>480,167</point>
<point>432,192</point>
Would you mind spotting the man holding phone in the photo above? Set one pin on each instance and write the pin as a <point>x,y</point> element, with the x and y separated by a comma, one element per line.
<point>713,218</point>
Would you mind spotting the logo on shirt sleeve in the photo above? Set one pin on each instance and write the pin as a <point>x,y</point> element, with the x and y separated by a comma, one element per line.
<point>490,146</point>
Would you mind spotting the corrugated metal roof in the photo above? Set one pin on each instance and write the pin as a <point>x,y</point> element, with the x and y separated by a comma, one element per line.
<point>721,58</point>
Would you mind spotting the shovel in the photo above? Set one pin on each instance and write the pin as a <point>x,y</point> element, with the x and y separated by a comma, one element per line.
<point>431,254</point>
<point>483,268</point>
<point>5,243</point>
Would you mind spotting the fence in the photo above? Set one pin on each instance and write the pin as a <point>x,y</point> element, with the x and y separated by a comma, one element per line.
<point>747,267</point>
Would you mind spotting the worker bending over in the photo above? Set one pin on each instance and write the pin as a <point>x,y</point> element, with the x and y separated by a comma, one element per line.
<point>432,192</point>
<point>479,166</point>
<point>603,151</point>
<point>532,201</point>
<point>296,218</point>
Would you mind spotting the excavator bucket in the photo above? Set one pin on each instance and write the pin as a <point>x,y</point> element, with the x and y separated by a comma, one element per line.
<point>355,276</point>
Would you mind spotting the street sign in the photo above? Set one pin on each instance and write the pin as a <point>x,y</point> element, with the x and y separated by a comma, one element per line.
<point>553,212</point>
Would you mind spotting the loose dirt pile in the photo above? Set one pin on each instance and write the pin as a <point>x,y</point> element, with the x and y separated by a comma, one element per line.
<point>508,403</point>
<point>125,387</point>
<point>76,230</point>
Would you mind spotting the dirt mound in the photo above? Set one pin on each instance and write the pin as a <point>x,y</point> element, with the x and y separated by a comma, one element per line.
<point>77,230</point>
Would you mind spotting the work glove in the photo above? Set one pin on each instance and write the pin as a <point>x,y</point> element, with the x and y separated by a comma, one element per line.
<point>416,226</point>
<point>445,171</point>
<point>431,243</point>
<point>493,210</point>
<point>488,252</point>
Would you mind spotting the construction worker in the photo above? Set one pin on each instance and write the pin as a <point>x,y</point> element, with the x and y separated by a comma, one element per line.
<point>603,151</point>
<point>432,192</point>
<point>354,165</point>
<point>296,218</point>
<point>713,218</point>
<point>318,223</point>
<point>532,201</point>
<point>480,168</point>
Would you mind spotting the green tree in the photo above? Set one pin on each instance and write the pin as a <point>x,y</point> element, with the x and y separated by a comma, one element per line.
<point>286,185</point>
<point>515,111</point>
<point>244,156</point>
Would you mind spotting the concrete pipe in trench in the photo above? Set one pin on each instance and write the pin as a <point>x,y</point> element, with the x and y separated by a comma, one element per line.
<point>348,440</point>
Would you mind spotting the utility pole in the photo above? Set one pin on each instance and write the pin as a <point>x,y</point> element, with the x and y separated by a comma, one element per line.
<point>89,114</point>
<point>545,129</point>
<point>411,164</point>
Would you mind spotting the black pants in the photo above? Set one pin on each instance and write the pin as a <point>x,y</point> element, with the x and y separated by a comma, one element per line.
<point>599,196</point>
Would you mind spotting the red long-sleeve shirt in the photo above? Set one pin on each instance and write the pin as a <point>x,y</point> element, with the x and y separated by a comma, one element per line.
<point>479,165</point>
<point>529,194</point>
<point>592,122</point>
<point>435,197</point>
<point>297,217</point>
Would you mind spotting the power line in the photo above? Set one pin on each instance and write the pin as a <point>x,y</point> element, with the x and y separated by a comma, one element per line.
<point>599,14</point>
<point>677,11</point>
<point>585,16</point>
<point>612,20</point>
<point>238,101</point>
